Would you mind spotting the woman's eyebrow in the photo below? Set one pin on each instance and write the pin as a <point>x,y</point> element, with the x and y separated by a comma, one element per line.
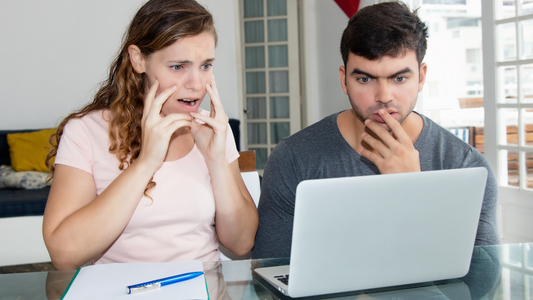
<point>209,60</point>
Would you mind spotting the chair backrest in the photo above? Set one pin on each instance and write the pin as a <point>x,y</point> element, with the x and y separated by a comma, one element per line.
<point>247,161</point>
<point>249,174</point>
<point>467,134</point>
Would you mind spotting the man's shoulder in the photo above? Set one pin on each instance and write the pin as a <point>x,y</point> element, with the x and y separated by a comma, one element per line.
<point>438,144</point>
<point>435,133</point>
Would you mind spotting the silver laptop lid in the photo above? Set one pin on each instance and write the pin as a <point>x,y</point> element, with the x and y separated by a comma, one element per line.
<point>367,232</point>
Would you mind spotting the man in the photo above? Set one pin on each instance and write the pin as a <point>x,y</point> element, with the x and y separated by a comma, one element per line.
<point>382,47</point>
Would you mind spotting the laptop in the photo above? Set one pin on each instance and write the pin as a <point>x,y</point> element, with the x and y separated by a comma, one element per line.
<point>366,232</point>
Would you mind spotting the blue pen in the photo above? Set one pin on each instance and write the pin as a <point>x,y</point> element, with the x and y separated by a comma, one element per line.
<point>154,284</point>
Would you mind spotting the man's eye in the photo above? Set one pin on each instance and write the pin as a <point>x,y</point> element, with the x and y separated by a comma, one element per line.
<point>364,79</point>
<point>206,66</point>
<point>176,67</point>
<point>400,79</point>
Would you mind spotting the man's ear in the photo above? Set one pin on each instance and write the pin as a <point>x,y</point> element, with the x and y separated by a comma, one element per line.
<point>342,77</point>
<point>422,76</point>
<point>137,59</point>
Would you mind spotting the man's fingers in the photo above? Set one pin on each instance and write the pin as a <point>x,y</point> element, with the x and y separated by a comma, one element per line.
<point>380,132</point>
<point>376,144</point>
<point>373,157</point>
<point>395,126</point>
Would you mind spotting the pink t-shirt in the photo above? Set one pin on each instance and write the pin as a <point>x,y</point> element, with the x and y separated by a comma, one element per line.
<point>178,224</point>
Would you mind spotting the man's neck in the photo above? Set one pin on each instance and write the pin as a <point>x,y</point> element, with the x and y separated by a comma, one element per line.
<point>352,127</point>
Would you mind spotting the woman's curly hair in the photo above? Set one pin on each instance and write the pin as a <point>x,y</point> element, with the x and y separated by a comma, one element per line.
<point>158,24</point>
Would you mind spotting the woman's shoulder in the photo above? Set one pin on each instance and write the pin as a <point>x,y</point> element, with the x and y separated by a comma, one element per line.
<point>99,117</point>
<point>95,122</point>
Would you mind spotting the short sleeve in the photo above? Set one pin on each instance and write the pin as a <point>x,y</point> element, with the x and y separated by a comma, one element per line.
<point>75,147</point>
<point>231,148</point>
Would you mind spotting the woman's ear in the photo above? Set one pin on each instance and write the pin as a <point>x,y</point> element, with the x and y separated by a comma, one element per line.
<point>137,59</point>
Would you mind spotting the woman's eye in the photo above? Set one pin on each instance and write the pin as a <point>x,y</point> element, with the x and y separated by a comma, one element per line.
<point>176,67</point>
<point>206,66</point>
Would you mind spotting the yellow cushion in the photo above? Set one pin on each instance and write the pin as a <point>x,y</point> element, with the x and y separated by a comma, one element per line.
<point>28,150</point>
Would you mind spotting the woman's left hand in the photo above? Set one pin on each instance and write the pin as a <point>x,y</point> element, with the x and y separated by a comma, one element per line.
<point>210,137</point>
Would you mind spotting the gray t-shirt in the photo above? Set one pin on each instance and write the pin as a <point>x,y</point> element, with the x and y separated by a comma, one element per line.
<point>320,151</point>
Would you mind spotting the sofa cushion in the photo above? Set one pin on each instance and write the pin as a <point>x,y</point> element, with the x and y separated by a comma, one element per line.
<point>19,202</point>
<point>5,159</point>
<point>28,150</point>
<point>29,180</point>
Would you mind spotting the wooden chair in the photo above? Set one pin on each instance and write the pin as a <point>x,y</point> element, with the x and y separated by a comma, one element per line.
<point>247,161</point>
<point>467,134</point>
<point>249,174</point>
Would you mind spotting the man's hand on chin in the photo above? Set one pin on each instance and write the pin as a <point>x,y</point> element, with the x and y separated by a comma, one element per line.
<point>391,152</point>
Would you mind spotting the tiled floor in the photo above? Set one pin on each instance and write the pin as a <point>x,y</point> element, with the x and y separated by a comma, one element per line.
<point>40,267</point>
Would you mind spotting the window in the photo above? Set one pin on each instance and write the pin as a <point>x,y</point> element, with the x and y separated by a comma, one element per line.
<point>271,74</point>
<point>454,58</point>
<point>492,91</point>
<point>514,107</point>
<point>509,106</point>
<point>462,22</point>
<point>473,56</point>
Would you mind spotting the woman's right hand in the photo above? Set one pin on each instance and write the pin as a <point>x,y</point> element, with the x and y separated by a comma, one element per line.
<point>156,129</point>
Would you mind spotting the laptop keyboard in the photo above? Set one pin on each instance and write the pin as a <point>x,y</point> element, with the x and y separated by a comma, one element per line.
<point>283,278</point>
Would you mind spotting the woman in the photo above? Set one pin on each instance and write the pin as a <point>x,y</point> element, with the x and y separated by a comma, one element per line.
<point>142,173</point>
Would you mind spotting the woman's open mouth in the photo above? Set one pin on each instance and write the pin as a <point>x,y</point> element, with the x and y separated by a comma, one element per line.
<point>190,102</point>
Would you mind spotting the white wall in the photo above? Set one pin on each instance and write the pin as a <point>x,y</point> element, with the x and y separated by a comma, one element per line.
<point>324,23</point>
<point>323,26</point>
<point>54,54</point>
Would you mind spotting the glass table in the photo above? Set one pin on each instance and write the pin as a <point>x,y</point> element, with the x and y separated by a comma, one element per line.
<point>496,272</point>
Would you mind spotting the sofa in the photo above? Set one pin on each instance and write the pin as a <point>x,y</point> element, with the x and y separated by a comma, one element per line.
<point>21,216</point>
<point>16,202</point>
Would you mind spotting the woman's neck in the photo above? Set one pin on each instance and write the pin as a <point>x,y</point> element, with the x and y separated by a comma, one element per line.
<point>181,143</point>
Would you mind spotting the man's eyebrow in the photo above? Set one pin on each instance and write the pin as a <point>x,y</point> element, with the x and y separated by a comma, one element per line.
<point>406,70</point>
<point>361,72</point>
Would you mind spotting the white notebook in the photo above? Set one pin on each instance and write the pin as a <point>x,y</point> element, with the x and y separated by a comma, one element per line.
<point>109,281</point>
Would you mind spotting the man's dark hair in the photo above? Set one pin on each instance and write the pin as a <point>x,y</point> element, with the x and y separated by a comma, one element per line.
<point>384,29</point>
